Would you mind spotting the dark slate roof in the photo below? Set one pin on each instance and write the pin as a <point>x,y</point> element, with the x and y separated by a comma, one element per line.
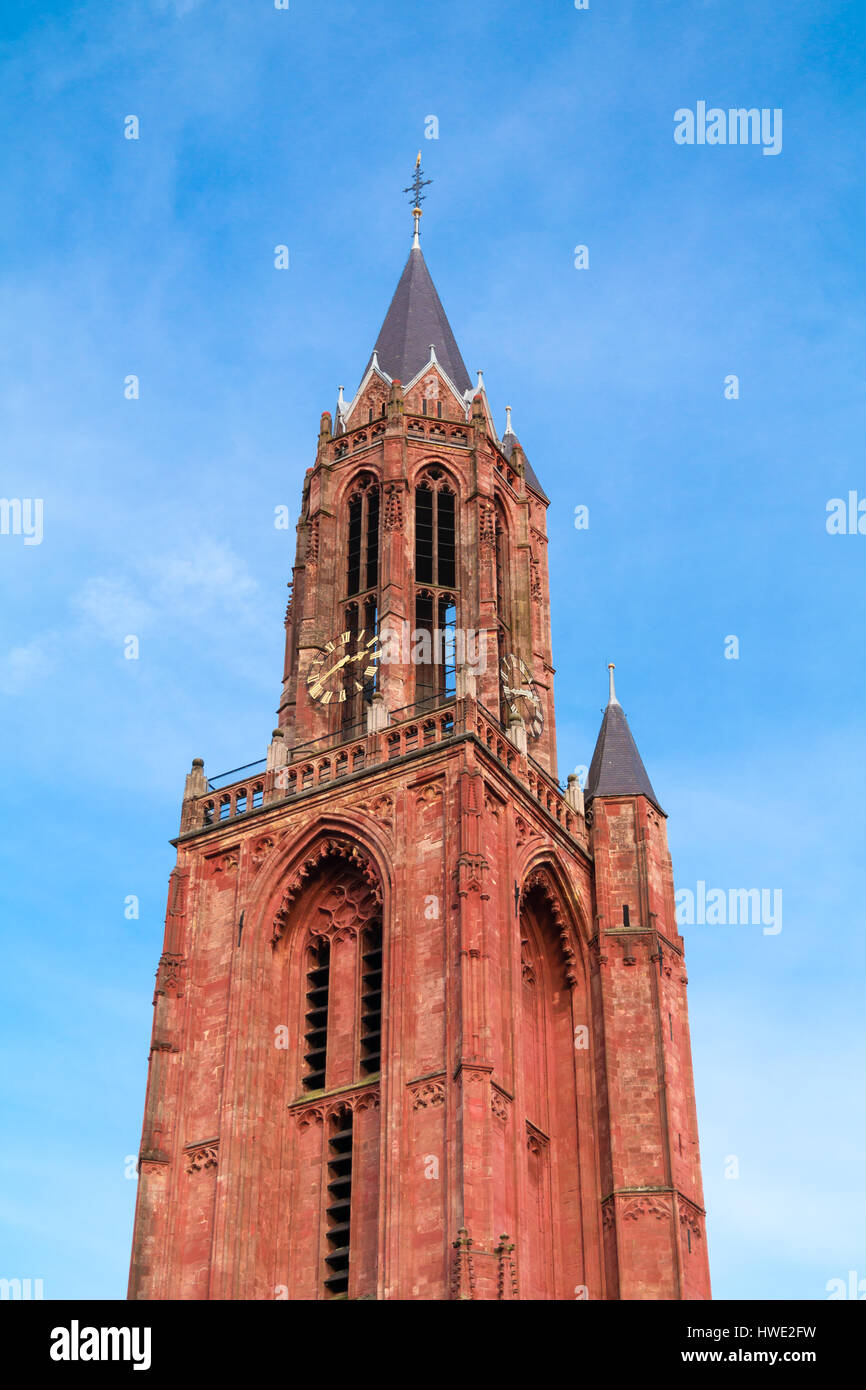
<point>508,442</point>
<point>616,768</point>
<point>414,320</point>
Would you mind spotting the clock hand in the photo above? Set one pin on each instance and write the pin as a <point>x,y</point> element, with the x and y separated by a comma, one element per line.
<point>337,665</point>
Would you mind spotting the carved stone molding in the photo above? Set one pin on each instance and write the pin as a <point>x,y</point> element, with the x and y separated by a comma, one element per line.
<point>536,1142</point>
<point>524,832</point>
<point>313,541</point>
<point>151,1166</point>
<point>222,866</point>
<point>646,1206</point>
<point>540,878</point>
<point>608,1215</point>
<point>261,850</point>
<point>331,848</point>
<point>534,578</point>
<point>430,793</point>
<point>392,514</point>
<point>474,1076</point>
<point>526,967</point>
<point>317,1112</point>
<point>381,808</point>
<point>597,956</point>
<point>691,1219</point>
<point>169,976</point>
<point>179,879</point>
<point>500,1104</point>
<point>486,525</point>
<point>507,1271</point>
<point>427,1094</point>
<point>463,1268</point>
<point>472,870</point>
<point>347,908</point>
<point>201,1156</point>
<point>309,1115</point>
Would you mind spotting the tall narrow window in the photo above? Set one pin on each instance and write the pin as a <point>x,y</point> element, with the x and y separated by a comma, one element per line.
<point>332,923</point>
<point>504,640</point>
<point>503,595</point>
<point>434,656</point>
<point>316,1016</point>
<point>372,538</point>
<point>362,570</point>
<point>338,1208</point>
<point>436,567</point>
<point>371,1000</point>
<point>353,583</point>
<point>435,550</point>
<point>424,535</point>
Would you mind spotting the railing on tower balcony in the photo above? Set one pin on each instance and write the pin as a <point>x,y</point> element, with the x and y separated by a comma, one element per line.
<point>332,757</point>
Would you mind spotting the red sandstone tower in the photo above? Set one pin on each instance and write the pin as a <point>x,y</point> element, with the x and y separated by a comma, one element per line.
<point>420,1020</point>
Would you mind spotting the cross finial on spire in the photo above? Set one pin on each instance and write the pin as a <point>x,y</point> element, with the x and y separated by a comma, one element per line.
<point>418,182</point>
<point>613,700</point>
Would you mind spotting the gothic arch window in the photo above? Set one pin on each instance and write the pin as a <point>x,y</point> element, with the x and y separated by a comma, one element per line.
<point>330,920</point>
<point>435,529</point>
<point>362,568</point>
<point>362,586</point>
<point>434,658</point>
<point>548,1095</point>
<point>504,637</point>
<point>434,645</point>
<point>503,570</point>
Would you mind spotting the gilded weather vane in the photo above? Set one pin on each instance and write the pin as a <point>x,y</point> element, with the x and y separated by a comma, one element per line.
<point>418,183</point>
<point>417,196</point>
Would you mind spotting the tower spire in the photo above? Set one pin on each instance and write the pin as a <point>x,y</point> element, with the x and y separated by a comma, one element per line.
<point>617,768</point>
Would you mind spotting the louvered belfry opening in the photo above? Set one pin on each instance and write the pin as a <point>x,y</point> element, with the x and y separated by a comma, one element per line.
<point>363,538</point>
<point>371,1000</point>
<point>362,585</point>
<point>338,1209</point>
<point>435,577</point>
<point>316,1016</point>
<point>435,535</point>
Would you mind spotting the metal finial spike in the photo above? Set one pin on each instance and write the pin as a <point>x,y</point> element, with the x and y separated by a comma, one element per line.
<point>613,700</point>
<point>479,385</point>
<point>508,429</point>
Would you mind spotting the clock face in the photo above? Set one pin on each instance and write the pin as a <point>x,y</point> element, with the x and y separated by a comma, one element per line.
<point>521,694</point>
<point>343,667</point>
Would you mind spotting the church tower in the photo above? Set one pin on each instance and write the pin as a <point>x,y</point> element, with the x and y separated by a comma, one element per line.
<point>420,1023</point>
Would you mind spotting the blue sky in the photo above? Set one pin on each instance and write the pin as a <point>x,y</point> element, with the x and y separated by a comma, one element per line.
<point>707,516</point>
